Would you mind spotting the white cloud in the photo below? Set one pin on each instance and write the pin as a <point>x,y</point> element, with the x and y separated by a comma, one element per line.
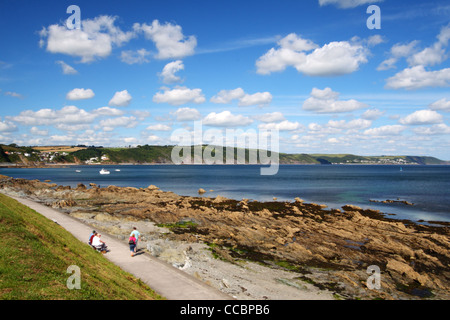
<point>375,40</point>
<point>59,139</point>
<point>66,69</point>
<point>69,115</point>
<point>429,56</point>
<point>334,58</point>
<point>226,119</point>
<point>345,4</point>
<point>179,96</point>
<point>13,94</point>
<point>120,99</point>
<point>388,130</point>
<point>333,140</point>
<point>356,124</point>
<point>372,114</point>
<point>35,131</point>
<point>226,96</point>
<point>417,77</point>
<point>74,115</point>
<point>7,126</point>
<point>187,114</point>
<point>259,98</point>
<point>168,73</point>
<point>442,104</point>
<point>338,127</point>
<point>107,111</point>
<point>94,40</point>
<point>159,127</point>
<point>280,126</point>
<point>152,138</point>
<point>80,94</point>
<point>110,124</point>
<point>130,140</point>
<point>435,54</point>
<point>436,129</point>
<point>133,57</point>
<point>398,51</point>
<point>169,40</point>
<point>270,117</point>
<point>422,117</point>
<point>326,101</point>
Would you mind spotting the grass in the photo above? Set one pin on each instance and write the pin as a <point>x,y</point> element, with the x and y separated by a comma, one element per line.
<point>58,149</point>
<point>35,254</point>
<point>180,227</point>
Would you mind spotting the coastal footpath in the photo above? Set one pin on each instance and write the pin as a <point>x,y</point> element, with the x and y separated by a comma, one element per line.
<point>331,250</point>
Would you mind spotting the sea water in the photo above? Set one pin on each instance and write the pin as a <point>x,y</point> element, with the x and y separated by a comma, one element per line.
<point>427,187</point>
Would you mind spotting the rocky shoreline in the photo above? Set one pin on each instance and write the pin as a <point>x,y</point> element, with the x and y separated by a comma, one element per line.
<point>265,250</point>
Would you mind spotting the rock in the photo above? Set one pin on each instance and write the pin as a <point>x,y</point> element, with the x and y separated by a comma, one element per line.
<point>82,215</point>
<point>104,217</point>
<point>201,191</point>
<point>406,271</point>
<point>154,250</point>
<point>81,187</point>
<point>152,188</point>
<point>62,188</point>
<point>297,210</point>
<point>64,203</point>
<point>298,200</point>
<point>275,198</point>
<point>350,207</point>
<point>219,199</point>
<point>225,283</point>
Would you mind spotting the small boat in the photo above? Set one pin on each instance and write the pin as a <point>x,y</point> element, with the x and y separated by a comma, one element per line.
<point>103,171</point>
<point>117,170</point>
<point>77,170</point>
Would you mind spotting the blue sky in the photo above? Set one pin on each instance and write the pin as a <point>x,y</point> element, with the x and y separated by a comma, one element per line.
<point>136,71</point>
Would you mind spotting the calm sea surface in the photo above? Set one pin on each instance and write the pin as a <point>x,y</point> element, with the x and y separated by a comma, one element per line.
<point>428,187</point>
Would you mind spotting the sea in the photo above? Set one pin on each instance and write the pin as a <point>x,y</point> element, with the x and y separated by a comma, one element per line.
<point>426,187</point>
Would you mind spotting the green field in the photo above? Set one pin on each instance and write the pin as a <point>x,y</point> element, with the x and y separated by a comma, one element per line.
<point>35,254</point>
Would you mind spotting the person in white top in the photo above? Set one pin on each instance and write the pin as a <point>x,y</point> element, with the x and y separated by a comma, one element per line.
<point>98,243</point>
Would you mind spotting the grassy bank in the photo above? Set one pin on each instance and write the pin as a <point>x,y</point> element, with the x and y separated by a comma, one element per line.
<point>35,254</point>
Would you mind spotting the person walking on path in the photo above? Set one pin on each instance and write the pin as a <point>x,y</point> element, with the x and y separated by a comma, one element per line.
<point>132,242</point>
<point>137,235</point>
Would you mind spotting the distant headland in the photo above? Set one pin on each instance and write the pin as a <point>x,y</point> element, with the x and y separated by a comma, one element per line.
<point>41,156</point>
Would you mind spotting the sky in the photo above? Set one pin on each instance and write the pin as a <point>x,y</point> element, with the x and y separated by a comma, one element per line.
<point>332,76</point>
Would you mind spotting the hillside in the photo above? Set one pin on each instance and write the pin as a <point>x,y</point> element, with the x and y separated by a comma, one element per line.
<point>35,254</point>
<point>13,154</point>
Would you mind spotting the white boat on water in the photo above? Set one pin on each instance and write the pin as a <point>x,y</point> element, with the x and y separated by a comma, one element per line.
<point>103,171</point>
<point>117,170</point>
<point>77,170</point>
